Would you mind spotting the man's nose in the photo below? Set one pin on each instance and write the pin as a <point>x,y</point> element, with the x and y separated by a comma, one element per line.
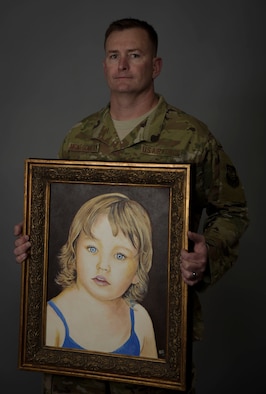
<point>123,63</point>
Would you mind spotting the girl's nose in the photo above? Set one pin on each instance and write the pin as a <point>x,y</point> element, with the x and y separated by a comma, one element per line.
<point>103,265</point>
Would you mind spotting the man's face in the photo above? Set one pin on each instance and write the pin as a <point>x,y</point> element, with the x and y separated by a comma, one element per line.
<point>130,65</point>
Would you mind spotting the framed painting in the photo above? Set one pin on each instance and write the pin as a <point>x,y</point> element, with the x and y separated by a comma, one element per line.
<point>101,292</point>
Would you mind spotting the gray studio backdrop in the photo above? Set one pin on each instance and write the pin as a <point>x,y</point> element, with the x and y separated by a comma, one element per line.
<point>214,68</point>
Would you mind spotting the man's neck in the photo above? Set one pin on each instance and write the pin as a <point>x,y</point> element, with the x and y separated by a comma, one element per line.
<point>126,106</point>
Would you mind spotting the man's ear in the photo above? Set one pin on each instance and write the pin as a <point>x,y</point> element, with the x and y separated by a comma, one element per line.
<point>157,66</point>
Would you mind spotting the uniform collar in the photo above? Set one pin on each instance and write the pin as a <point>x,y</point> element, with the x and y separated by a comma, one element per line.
<point>148,130</point>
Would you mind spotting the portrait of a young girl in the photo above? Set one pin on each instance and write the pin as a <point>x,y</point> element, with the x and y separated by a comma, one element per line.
<point>104,268</point>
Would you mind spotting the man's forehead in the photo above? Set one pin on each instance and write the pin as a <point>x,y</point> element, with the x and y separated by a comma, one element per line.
<point>129,38</point>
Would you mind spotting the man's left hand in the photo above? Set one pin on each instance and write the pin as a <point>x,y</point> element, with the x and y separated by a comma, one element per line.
<point>193,264</point>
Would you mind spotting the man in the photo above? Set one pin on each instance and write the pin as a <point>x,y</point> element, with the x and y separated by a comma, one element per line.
<point>139,126</point>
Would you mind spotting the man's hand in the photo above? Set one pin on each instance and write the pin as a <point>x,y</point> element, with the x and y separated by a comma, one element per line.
<point>194,263</point>
<point>22,244</point>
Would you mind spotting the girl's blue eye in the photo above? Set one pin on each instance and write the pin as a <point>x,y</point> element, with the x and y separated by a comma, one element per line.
<point>120,256</point>
<point>92,249</point>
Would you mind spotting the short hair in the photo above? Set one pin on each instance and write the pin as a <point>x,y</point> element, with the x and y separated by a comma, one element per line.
<point>124,214</point>
<point>129,23</point>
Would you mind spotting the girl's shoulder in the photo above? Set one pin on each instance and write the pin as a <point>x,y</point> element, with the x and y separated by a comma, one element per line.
<point>65,298</point>
<point>141,314</point>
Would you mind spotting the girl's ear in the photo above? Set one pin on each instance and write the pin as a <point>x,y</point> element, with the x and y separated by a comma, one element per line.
<point>135,280</point>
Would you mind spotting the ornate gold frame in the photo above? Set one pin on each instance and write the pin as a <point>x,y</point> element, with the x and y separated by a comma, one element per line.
<point>42,178</point>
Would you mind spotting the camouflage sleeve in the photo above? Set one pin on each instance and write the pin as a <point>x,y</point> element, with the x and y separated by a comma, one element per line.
<point>226,212</point>
<point>63,150</point>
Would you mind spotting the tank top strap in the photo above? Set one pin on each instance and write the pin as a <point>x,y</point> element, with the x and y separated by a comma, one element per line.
<point>132,319</point>
<point>60,315</point>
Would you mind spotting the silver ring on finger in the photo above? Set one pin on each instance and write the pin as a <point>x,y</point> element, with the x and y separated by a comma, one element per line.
<point>194,275</point>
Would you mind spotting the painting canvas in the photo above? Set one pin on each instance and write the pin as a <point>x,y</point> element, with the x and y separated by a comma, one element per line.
<point>101,292</point>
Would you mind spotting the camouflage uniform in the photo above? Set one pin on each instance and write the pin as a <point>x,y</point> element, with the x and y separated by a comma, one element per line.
<point>168,135</point>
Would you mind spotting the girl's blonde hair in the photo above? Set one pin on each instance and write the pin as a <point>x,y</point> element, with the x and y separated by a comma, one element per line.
<point>124,215</point>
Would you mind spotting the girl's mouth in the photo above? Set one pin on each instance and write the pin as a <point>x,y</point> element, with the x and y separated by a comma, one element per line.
<point>100,280</point>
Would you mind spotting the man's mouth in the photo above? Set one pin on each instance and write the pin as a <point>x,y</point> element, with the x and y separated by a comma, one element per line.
<point>122,77</point>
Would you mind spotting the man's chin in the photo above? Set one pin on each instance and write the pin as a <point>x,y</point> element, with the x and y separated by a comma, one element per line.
<point>122,88</point>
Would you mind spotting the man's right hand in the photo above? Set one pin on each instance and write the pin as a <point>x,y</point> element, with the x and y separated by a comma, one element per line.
<point>22,244</point>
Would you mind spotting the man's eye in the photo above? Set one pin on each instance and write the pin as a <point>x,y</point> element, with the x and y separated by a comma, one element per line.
<point>113,56</point>
<point>120,256</point>
<point>134,55</point>
<point>92,249</point>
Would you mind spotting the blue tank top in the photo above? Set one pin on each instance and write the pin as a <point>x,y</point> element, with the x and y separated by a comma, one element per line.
<point>130,348</point>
